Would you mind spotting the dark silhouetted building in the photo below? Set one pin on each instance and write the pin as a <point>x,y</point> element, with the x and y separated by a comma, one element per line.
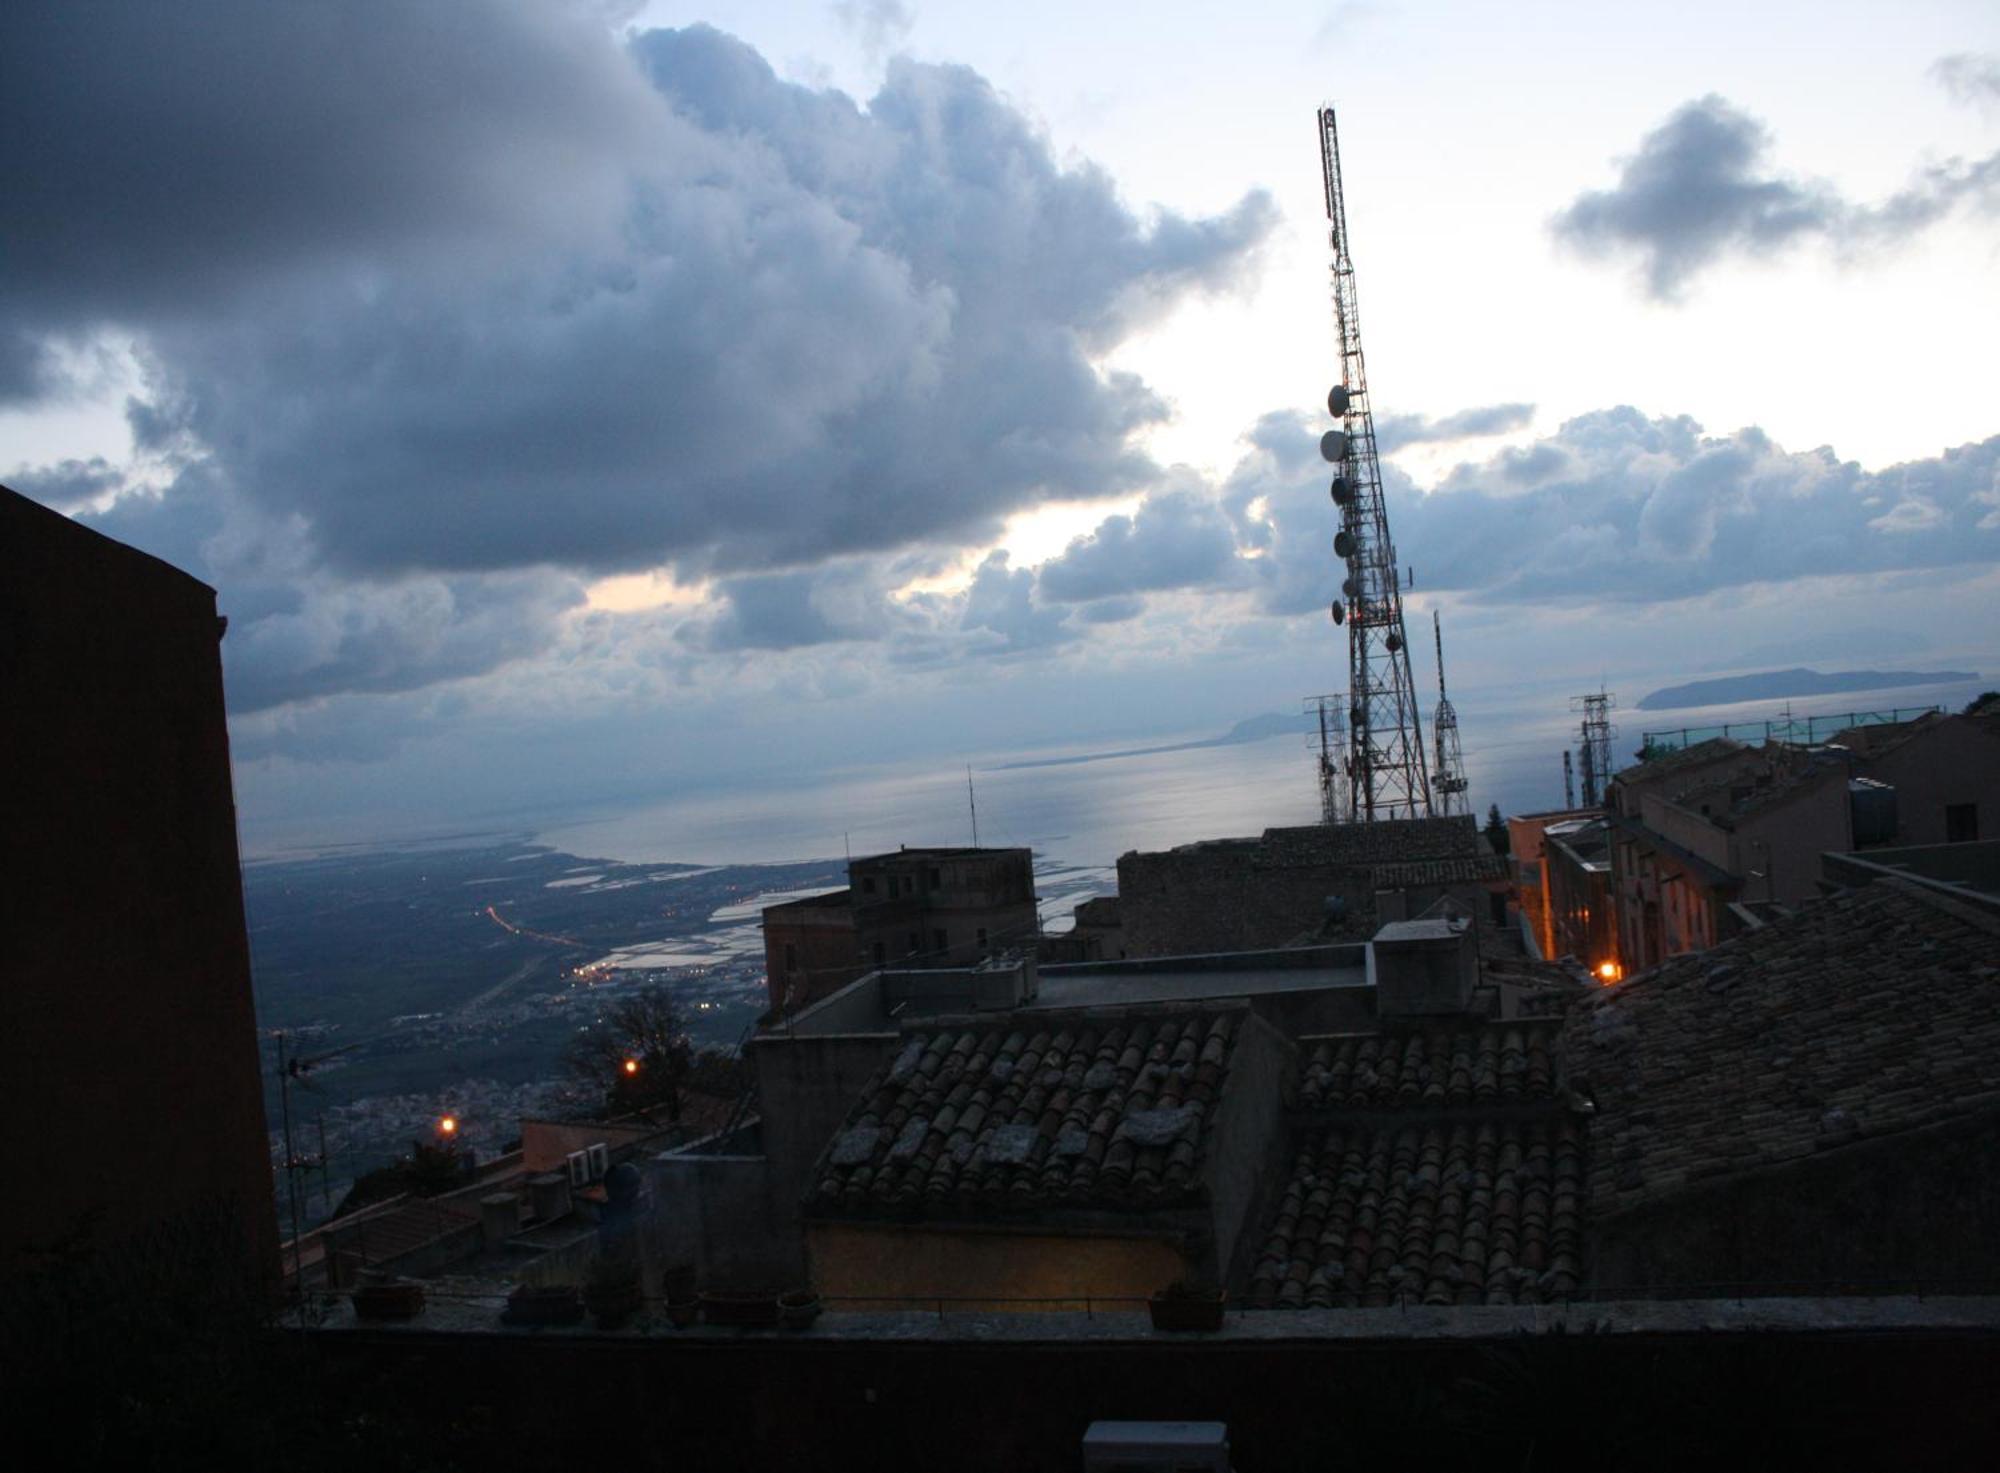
<point>129,1060</point>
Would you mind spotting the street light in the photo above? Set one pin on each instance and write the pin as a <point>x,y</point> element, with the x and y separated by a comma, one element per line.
<point>448,1126</point>
<point>631,1067</point>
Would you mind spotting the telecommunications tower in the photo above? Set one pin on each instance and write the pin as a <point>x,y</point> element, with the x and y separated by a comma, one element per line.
<point>1448,782</point>
<point>1336,794</point>
<point>1594,750</point>
<point>1385,739</point>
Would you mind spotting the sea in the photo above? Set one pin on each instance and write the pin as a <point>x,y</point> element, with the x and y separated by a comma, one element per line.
<point>1079,808</point>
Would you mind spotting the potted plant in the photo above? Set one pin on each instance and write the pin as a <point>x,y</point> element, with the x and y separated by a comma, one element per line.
<point>677,1282</point>
<point>614,1293</point>
<point>1184,1305</point>
<point>798,1309</point>
<point>544,1304</point>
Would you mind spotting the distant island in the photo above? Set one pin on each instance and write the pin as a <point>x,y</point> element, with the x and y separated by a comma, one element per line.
<point>1252,729</point>
<point>1773,685</point>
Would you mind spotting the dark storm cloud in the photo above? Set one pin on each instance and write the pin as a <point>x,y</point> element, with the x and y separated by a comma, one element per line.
<point>1175,539</point>
<point>157,156</point>
<point>1394,431</point>
<point>1001,602</point>
<point>1627,509</point>
<point>297,632</point>
<point>1699,189</point>
<point>423,294</point>
<point>838,602</point>
<point>68,484</point>
<point>822,331</point>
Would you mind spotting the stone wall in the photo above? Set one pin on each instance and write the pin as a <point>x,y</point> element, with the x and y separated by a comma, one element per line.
<point>1919,1209</point>
<point>1246,894</point>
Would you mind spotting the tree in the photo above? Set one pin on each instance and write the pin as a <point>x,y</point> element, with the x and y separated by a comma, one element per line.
<point>1980,704</point>
<point>1496,831</point>
<point>638,1053</point>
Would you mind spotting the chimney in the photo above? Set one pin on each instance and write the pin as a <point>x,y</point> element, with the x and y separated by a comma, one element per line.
<point>548,1196</point>
<point>1425,968</point>
<point>499,1217</point>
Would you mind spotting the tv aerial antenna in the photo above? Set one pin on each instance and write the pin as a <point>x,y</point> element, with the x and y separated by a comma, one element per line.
<point>1448,781</point>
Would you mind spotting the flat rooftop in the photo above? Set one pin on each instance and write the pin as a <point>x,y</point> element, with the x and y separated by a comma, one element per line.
<point>1192,978</point>
<point>478,1313</point>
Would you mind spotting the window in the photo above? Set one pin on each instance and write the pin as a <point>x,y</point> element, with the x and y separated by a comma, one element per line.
<point>935,878</point>
<point>868,885</point>
<point>1961,823</point>
<point>915,942</point>
<point>939,942</point>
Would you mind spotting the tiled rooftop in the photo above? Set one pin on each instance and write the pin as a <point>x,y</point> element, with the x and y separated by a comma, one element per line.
<point>1678,761</point>
<point>1081,1110</point>
<point>1873,1012</point>
<point>1462,869</point>
<point>1485,1213</point>
<point>1433,1067</point>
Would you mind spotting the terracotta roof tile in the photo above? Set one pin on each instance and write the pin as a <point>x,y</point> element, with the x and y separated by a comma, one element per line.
<point>1870,1013</point>
<point>1463,1213</point>
<point>1085,1110</point>
<point>1443,1066</point>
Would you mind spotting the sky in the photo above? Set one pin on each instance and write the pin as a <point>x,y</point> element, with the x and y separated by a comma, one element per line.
<point>574,402</point>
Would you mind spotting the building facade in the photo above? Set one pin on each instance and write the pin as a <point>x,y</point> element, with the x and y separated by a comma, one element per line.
<point>934,907</point>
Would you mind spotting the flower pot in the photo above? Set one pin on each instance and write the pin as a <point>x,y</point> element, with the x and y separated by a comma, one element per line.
<point>612,1304</point>
<point>798,1310</point>
<point>677,1282</point>
<point>1186,1310</point>
<point>754,1308</point>
<point>400,1300</point>
<point>544,1304</point>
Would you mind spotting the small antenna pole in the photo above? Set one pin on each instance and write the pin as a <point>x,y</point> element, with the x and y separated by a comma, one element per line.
<point>972,803</point>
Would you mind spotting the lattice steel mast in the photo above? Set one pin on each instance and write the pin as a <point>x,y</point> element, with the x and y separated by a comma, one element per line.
<point>1448,781</point>
<point>1336,795</point>
<point>1385,739</point>
<point>1595,744</point>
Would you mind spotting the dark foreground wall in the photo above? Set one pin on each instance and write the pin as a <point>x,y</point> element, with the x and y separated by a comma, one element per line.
<point>128,1062</point>
<point>1698,1400</point>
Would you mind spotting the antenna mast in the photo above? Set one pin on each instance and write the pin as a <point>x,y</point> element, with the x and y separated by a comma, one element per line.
<point>1385,735</point>
<point>1449,784</point>
<point>1596,745</point>
<point>1336,796</point>
<point>972,803</point>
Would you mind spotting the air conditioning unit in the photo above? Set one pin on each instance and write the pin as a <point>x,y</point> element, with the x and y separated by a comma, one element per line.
<point>579,1168</point>
<point>600,1161</point>
<point>1156,1447</point>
